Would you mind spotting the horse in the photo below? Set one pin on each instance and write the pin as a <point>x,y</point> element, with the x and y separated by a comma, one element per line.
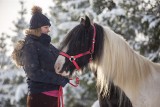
<point>110,56</point>
<point>114,93</point>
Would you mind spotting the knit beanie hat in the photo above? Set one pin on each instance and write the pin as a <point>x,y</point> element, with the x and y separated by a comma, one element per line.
<point>38,19</point>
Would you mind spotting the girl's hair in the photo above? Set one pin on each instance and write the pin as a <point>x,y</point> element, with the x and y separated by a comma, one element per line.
<point>36,32</point>
<point>17,53</point>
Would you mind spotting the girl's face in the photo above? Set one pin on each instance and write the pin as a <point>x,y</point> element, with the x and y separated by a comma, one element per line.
<point>45,29</point>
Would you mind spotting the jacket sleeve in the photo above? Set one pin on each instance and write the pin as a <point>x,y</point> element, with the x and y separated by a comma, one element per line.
<point>35,72</point>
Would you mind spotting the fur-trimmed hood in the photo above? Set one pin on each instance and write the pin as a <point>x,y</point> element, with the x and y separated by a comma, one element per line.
<point>17,52</point>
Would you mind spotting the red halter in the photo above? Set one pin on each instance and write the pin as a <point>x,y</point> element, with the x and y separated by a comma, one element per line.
<point>73,58</point>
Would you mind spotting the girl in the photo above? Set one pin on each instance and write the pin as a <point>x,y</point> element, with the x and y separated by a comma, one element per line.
<point>37,57</point>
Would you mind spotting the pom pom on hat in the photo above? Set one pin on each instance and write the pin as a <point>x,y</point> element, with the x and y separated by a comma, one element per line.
<point>38,19</point>
<point>36,9</point>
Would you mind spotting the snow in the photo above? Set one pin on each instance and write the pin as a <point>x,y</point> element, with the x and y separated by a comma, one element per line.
<point>152,20</point>
<point>111,14</point>
<point>89,77</point>
<point>117,1</point>
<point>63,17</point>
<point>67,25</point>
<point>141,37</point>
<point>148,18</point>
<point>53,29</point>
<point>73,3</point>
<point>10,74</point>
<point>9,89</point>
<point>118,12</point>
<point>91,14</point>
<point>154,23</point>
<point>151,1</point>
<point>151,56</point>
<point>96,104</point>
<point>20,92</point>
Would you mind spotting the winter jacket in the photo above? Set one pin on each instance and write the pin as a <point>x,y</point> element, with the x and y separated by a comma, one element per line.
<point>38,59</point>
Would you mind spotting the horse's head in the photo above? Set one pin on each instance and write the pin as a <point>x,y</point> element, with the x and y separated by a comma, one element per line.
<point>78,47</point>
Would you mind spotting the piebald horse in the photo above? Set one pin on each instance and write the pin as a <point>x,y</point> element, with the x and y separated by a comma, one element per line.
<point>113,60</point>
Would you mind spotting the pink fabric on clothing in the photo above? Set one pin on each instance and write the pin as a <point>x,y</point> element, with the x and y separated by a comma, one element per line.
<point>53,93</point>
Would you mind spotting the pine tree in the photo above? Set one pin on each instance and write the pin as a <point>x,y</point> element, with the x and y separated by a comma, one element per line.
<point>151,28</point>
<point>116,16</point>
<point>142,17</point>
<point>4,59</point>
<point>20,24</point>
<point>132,18</point>
<point>99,5</point>
<point>65,15</point>
<point>14,89</point>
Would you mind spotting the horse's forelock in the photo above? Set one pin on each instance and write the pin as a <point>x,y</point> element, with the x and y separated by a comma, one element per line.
<point>69,36</point>
<point>77,35</point>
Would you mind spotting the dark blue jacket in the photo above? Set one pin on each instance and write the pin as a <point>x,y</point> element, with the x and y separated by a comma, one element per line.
<point>38,58</point>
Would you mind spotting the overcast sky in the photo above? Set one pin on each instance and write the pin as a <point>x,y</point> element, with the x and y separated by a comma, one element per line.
<point>9,12</point>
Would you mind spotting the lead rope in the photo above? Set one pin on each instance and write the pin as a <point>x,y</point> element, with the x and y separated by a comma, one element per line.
<point>60,92</point>
<point>77,82</point>
<point>60,97</point>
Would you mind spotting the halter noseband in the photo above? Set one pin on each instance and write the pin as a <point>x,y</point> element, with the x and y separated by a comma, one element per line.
<point>90,51</point>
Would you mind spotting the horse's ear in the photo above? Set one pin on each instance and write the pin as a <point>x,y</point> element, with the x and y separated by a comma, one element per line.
<point>87,22</point>
<point>82,21</point>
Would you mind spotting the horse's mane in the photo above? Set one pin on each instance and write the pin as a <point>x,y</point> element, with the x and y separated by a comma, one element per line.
<point>121,64</point>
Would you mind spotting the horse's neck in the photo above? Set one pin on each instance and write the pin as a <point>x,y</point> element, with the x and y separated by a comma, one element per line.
<point>148,90</point>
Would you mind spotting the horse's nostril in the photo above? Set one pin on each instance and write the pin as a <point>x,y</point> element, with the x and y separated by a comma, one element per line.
<point>57,66</point>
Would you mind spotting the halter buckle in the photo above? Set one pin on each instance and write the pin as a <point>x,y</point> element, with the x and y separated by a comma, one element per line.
<point>90,51</point>
<point>72,58</point>
<point>93,41</point>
